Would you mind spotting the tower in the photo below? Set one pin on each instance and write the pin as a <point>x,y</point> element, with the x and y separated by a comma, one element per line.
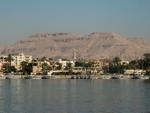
<point>74,55</point>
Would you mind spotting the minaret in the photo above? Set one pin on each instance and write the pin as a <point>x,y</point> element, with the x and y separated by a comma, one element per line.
<point>74,55</point>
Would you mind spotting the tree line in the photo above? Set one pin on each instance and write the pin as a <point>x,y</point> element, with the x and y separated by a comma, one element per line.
<point>116,67</point>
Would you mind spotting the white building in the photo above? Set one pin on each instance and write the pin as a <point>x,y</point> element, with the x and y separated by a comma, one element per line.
<point>123,62</point>
<point>1,66</point>
<point>19,58</point>
<point>3,59</point>
<point>134,72</point>
<point>64,63</point>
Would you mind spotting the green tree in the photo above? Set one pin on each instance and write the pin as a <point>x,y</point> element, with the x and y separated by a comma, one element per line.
<point>83,64</point>
<point>133,64</point>
<point>146,64</point>
<point>9,59</point>
<point>45,68</point>
<point>29,68</point>
<point>44,59</point>
<point>147,73</point>
<point>115,66</point>
<point>26,68</point>
<point>59,66</point>
<point>69,68</point>
<point>7,68</point>
<point>116,60</point>
<point>147,56</point>
<point>116,69</point>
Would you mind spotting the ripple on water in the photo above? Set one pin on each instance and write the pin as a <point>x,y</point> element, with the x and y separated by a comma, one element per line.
<point>74,96</point>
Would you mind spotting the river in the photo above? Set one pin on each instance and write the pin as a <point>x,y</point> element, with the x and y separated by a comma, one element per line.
<point>74,96</point>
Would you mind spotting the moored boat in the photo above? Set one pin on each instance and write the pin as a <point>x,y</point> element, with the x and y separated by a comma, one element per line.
<point>28,77</point>
<point>114,77</point>
<point>9,77</point>
<point>135,77</point>
<point>45,77</point>
<point>145,77</point>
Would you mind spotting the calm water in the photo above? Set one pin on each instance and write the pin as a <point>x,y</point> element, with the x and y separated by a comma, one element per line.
<point>74,96</point>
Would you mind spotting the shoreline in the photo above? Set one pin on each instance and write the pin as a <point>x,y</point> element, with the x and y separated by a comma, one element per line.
<point>103,77</point>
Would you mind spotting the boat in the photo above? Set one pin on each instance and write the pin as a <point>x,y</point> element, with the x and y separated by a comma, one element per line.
<point>9,77</point>
<point>145,77</point>
<point>114,77</point>
<point>89,77</point>
<point>37,77</point>
<point>45,77</point>
<point>80,77</point>
<point>135,77</point>
<point>85,77</point>
<point>73,77</point>
<point>28,77</point>
<point>105,77</point>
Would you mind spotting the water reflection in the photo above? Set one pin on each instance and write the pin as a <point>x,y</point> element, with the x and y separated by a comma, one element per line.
<point>74,96</point>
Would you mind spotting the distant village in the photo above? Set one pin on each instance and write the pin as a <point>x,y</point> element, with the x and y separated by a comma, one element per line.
<point>25,65</point>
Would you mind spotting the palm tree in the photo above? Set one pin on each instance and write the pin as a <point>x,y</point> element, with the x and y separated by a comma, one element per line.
<point>45,68</point>
<point>116,60</point>
<point>8,69</point>
<point>27,68</point>
<point>69,68</point>
<point>9,59</point>
<point>23,67</point>
<point>115,66</point>
<point>147,61</point>
<point>59,67</point>
<point>43,58</point>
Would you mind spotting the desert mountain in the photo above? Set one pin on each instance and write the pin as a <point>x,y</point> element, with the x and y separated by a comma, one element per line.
<point>94,45</point>
<point>2,47</point>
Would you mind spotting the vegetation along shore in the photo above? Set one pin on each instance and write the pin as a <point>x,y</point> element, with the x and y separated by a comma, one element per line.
<point>25,66</point>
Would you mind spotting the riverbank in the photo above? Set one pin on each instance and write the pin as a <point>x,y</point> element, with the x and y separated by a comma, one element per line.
<point>73,77</point>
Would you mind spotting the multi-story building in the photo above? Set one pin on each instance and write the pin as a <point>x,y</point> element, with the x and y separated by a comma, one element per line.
<point>36,70</point>
<point>17,59</point>
<point>135,72</point>
<point>3,59</point>
<point>64,63</point>
<point>1,65</point>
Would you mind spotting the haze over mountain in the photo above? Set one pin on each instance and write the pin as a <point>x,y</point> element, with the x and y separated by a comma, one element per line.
<point>1,48</point>
<point>94,45</point>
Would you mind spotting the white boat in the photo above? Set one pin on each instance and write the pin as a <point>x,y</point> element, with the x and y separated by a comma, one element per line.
<point>9,77</point>
<point>37,77</point>
<point>145,77</point>
<point>105,77</point>
<point>28,77</point>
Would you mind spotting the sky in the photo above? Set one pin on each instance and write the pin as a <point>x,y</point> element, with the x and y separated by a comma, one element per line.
<point>22,18</point>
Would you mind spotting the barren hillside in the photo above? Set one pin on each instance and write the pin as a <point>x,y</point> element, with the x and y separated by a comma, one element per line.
<point>94,45</point>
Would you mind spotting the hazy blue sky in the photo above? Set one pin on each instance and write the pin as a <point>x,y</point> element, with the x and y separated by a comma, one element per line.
<point>21,18</point>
